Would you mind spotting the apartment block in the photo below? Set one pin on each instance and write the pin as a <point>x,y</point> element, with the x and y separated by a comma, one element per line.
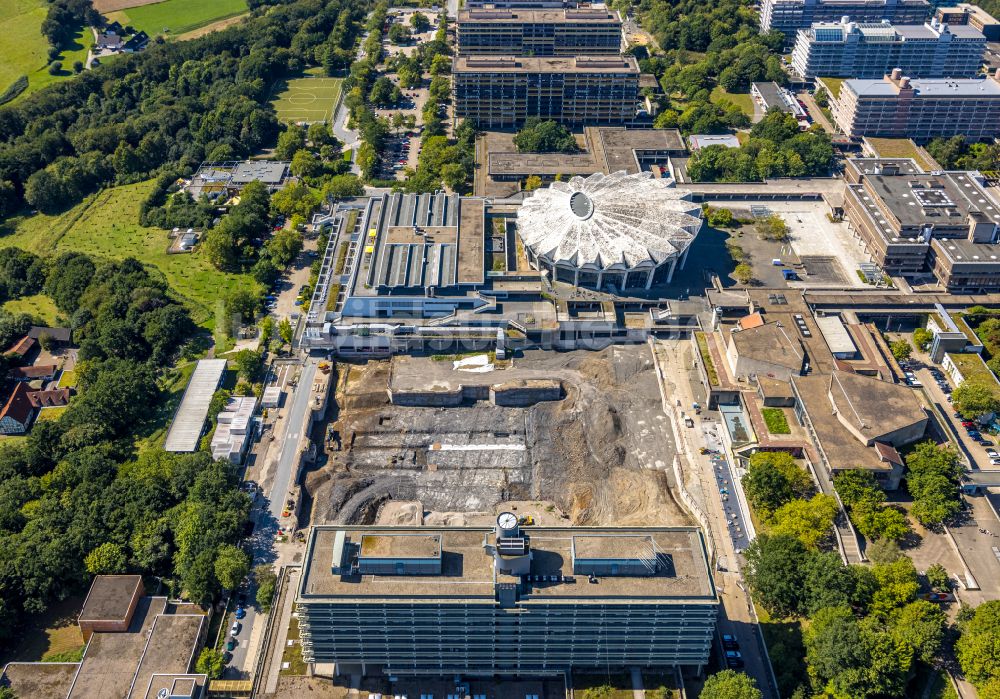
<point>871,50</point>
<point>537,32</point>
<point>916,223</point>
<point>973,16</point>
<point>503,91</point>
<point>502,601</point>
<point>789,16</point>
<point>898,107</point>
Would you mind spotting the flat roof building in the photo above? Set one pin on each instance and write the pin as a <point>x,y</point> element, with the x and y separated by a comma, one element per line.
<point>234,429</point>
<point>495,602</point>
<point>788,16</point>
<point>536,32</point>
<point>871,50</point>
<point>947,223</point>
<point>770,95</point>
<point>503,91</point>
<point>223,180</point>
<point>699,141</point>
<point>898,107</point>
<point>189,420</point>
<point>138,647</point>
<point>972,15</point>
<point>420,255</point>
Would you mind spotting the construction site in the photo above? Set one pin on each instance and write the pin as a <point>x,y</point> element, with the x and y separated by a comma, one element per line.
<point>574,438</point>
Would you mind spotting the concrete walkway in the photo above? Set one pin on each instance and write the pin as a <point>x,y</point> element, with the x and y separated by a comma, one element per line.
<point>816,112</point>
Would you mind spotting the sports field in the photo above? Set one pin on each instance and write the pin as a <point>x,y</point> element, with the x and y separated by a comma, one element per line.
<point>309,98</point>
<point>173,17</point>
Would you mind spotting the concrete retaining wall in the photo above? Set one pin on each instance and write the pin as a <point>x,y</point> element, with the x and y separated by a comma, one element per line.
<point>510,394</point>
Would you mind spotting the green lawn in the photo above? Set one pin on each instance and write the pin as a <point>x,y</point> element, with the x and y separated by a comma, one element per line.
<point>38,306</point>
<point>23,49</point>
<point>51,414</point>
<point>308,98</point>
<point>776,421</point>
<point>105,226</point>
<point>67,379</point>
<point>178,16</point>
<point>744,102</point>
<point>833,85</point>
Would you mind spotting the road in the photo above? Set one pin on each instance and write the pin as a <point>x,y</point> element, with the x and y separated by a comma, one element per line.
<point>295,424</point>
<point>815,112</point>
<point>736,617</point>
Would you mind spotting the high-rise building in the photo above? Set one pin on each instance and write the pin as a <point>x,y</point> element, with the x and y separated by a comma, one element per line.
<point>870,50</point>
<point>505,601</point>
<point>973,16</point>
<point>898,107</point>
<point>503,91</point>
<point>535,32</point>
<point>789,16</point>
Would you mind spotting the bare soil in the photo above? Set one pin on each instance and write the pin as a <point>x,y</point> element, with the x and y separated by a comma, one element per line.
<point>104,6</point>
<point>600,456</point>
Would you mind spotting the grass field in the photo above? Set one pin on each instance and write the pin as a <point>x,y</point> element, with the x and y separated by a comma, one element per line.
<point>23,49</point>
<point>308,98</point>
<point>38,306</point>
<point>51,634</point>
<point>178,16</point>
<point>744,102</point>
<point>776,421</point>
<point>67,379</point>
<point>105,226</point>
<point>51,414</point>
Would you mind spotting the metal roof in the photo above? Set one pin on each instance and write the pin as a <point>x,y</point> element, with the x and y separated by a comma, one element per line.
<point>185,430</point>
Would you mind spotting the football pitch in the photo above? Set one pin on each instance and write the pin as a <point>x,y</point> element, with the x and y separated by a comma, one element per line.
<point>306,99</point>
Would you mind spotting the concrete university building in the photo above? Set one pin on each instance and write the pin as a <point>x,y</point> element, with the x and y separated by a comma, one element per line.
<point>503,91</point>
<point>504,602</point>
<point>538,32</point>
<point>789,16</point>
<point>898,107</point>
<point>870,50</point>
<point>913,222</point>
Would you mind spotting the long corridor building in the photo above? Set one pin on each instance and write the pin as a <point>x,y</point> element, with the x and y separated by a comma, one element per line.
<point>504,602</point>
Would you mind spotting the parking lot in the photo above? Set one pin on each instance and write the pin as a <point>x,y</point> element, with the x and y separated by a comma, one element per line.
<point>978,447</point>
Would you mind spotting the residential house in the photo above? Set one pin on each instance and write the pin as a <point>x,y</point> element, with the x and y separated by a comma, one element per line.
<point>18,412</point>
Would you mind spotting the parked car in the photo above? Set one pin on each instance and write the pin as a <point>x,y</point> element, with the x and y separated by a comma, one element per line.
<point>985,443</point>
<point>240,612</point>
<point>231,644</point>
<point>734,659</point>
<point>729,642</point>
<point>235,629</point>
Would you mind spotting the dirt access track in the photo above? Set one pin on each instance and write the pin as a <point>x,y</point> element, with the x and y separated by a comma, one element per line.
<point>104,6</point>
<point>601,454</point>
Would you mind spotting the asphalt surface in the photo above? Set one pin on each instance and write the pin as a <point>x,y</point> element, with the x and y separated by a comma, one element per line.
<point>290,440</point>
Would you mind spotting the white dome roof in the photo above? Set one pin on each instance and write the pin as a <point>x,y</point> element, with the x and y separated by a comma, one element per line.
<point>609,220</point>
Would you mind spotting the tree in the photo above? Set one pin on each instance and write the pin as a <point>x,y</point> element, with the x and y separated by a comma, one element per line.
<point>898,585</point>
<point>78,67</point>
<point>419,22</point>
<point>305,164</point>
<point>776,571</point>
<point>828,582</point>
<point>284,246</point>
<point>453,175</point>
<point>532,183</point>
<point>537,136</point>
<point>248,364</point>
<point>773,479</point>
<point>901,350</point>
<point>809,520</point>
<point>399,34</point>
<point>384,93</point>
<point>920,626</point>
<point>743,273</point>
<point>729,684</point>
<point>367,159</point>
<point>772,227</point>
<point>231,565</point>
<point>266,583</point>
<point>319,134</point>
<point>922,338</point>
<point>978,648</point>
<point>343,187</point>
<point>720,218</point>
<point>243,303</point>
<point>55,68</point>
<point>974,399</point>
<point>933,477</point>
<point>290,141</point>
<point>822,97</point>
<point>106,559</point>
<point>833,643</point>
<point>285,331</point>
<point>295,198</point>
<point>938,578</point>
<point>210,662</point>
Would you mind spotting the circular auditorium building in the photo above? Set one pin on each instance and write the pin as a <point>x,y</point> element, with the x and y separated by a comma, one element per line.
<point>615,232</point>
